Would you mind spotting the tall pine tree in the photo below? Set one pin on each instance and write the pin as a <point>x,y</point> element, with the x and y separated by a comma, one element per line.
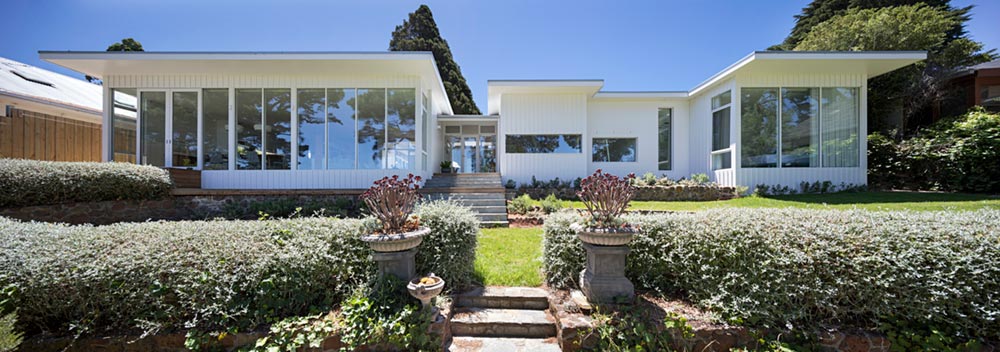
<point>420,33</point>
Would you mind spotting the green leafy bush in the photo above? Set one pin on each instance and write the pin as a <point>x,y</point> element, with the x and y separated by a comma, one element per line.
<point>804,268</point>
<point>204,275</point>
<point>520,205</point>
<point>551,204</point>
<point>449,251</point>
<point>9,337</point>
<point>32,182</point>
<point>958,154</point>
<point>385,317</point>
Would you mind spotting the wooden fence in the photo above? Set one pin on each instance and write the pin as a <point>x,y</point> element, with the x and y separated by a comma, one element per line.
<point>32,135</point>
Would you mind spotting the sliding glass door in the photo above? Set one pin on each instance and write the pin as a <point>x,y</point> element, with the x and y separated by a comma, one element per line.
<point>169,128</point>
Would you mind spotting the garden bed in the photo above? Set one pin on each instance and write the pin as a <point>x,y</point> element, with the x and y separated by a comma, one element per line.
<point>808,269</point>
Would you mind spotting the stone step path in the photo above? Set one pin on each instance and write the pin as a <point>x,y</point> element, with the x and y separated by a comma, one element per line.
<point>481,192</point>
<point>503,319</point>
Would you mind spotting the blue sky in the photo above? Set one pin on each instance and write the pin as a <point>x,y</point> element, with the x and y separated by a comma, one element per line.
<point>632,45</point>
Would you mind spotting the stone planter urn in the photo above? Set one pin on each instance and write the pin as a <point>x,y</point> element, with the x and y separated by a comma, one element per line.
<point>603,279</point>
<point>425,288</point>
<point>395,253</point>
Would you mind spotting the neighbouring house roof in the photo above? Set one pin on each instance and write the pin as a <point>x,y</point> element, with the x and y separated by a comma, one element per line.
<point>100,64</point>
<point>35,85</point>
<point>987,65</point>
<point>871,63</point>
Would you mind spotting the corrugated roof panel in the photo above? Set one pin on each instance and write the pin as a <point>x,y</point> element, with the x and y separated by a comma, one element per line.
<point>45,86</point>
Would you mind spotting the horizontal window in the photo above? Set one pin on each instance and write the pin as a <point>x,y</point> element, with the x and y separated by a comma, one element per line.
<point>543,143</point>
<point>614,149</point>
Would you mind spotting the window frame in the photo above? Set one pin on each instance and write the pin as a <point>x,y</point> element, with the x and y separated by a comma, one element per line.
<point>721,153</point>
<point>562,136</point>
<point>670,140</point>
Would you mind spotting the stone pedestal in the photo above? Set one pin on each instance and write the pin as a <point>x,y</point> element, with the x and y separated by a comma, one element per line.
<point>603,280</point>
<point>398,264</point>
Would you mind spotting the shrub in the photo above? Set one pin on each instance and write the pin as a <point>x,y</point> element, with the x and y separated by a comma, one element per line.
<point>450,249</point>
<point>385,317</point>
<point>551,204</point>
<point>806,268</point>
<point>958,154</point>
<point>32,182</point>
<point>204,275</point>
<point>520,205</point>
<point>648,179</point>
<point>700,179</point>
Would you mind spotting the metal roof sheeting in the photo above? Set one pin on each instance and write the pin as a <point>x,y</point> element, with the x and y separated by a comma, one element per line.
<point>28,82</point>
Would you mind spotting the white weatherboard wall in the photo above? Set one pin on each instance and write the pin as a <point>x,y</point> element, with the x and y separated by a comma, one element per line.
<point>792,177</point>
<point>291,179</point>
<point>700,147</point>
<point>617,118</point>
<point>543,114</point>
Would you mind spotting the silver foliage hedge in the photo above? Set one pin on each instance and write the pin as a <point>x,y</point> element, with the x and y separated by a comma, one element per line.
<point>207,275</point>
<point>32,182</point>
<point>809,268</point>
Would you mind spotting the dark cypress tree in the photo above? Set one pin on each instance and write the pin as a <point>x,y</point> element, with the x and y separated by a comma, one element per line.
<point>127,44</point>
<point>420,33</point>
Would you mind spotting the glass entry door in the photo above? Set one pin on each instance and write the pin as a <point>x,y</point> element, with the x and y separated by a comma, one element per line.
<point>168,134</point>
<point>472,148</point>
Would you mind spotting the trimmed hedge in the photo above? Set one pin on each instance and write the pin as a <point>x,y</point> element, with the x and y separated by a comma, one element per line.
<point>206,275</point>
<point>794,268</point>
<point>32,182</point>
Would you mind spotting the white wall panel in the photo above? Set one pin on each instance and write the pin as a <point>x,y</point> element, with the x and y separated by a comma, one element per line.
<point>700,129</point>
<point>296,179</point>
<point>543,114</point>
<point>639,119</point>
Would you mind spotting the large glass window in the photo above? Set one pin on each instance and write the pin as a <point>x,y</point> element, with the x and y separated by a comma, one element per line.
<point>311,113</point>
<point>840,119</point>
<point>759,127</point>
<point>123,136</point>
<point>799,127</point>
<point>371,128</point>
<point>401,122</point>
<point>184,129</point>
<point>249,138</point>
<point>543,143</point>
<point>818,127</point>
<point>154,128</point>
<point>990,97</point>
<point>278,129</point>
<point>664,121</point>
<point>215,128</point>
<point>614,149</point>
<point>341,128</point>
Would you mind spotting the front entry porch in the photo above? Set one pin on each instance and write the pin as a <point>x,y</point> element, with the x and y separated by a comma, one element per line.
<point>470,143</point>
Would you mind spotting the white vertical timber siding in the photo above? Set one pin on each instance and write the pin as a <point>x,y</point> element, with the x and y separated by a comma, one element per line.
<point>639,119</point>
<point>543,114</point>
<point>793,177</point>
<point>700,132</point>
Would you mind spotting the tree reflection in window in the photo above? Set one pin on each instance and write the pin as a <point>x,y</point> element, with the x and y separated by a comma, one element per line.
<point>614,150</point>
<point>543,143</point>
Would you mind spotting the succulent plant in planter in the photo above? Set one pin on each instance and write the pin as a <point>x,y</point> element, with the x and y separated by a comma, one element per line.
<point>391,201</point>
<point>606,197</point>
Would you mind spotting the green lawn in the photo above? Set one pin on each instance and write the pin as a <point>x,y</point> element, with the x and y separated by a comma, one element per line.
<point>863,200</point>
<point>510,257</point>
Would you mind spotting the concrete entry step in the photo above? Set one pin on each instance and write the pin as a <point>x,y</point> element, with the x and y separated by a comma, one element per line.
<point>501,344</point>
<point>504,298</point>
<point>490,322</point>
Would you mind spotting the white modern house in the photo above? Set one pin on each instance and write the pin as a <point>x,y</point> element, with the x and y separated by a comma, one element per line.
<point>321,120</point>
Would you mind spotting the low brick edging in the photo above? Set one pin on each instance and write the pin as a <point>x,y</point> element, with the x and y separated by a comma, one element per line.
<point>179,207</point>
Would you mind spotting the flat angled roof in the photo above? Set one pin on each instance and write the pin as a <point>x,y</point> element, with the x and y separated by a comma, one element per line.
<point>874,63</point>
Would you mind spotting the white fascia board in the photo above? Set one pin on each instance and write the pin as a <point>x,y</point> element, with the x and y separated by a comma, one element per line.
<point>641,95</point>
<point>208,56</point>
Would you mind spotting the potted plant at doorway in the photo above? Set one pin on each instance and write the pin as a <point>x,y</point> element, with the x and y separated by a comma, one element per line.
<point>391,201</point>
<point>606,197</point>
<point>445,167</point>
